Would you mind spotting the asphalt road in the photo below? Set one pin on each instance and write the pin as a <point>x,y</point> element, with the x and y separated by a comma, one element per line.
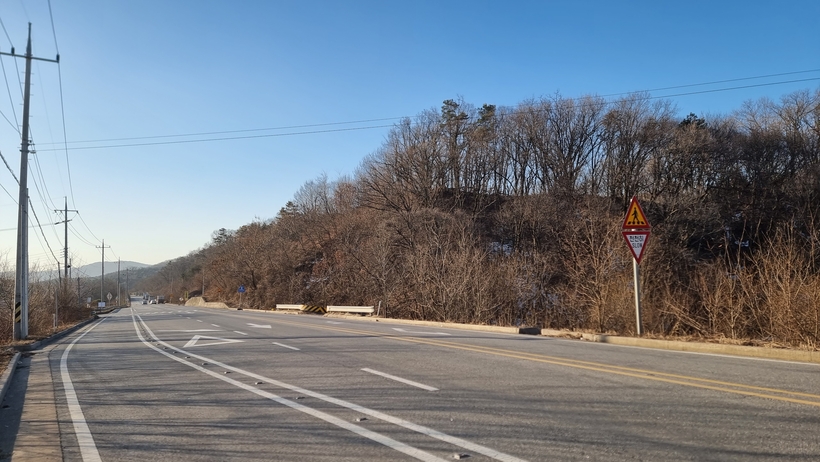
<point>167,382</point>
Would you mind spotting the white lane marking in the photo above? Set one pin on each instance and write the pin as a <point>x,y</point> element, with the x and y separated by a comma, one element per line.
<point>240,333</point>
<point>88,450</point>
<point>399,379</point>
<point>454,440</point>
<point>377,437</point>
<point>216,325</point>
<point>261,326</point>
<point>188,330</point>
<point>334,322</point>
<point>418,332</point>
<point>285,346</point>
<point>195,341</point>
<point>198,320</point>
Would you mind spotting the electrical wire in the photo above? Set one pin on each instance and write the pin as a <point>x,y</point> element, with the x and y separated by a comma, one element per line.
<point>34,212</point>
<point>714,82</point>
<point>86,227</point>
<point>16,124</point>
<point>62,103</point>
<point>79,236</point>
<point>10,170</point>
<point>370,127</point>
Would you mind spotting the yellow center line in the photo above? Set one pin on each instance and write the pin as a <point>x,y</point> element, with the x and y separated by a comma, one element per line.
<point>678,379</point>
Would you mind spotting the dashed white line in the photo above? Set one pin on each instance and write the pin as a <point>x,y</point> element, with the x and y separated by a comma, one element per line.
<point>359,430</point>
<point>285,346</point>
<point>402,380</point>
<point>215,325</point>
<point>240,333</point>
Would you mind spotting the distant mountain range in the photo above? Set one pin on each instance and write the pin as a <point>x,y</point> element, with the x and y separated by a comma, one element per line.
<point>95,269</point>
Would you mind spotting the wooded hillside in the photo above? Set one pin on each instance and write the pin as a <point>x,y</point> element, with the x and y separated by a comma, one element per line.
<point>512,216</point>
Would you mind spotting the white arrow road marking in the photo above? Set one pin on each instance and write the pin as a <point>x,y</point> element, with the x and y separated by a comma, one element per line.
<point>417,332</point>
<point>285,346</point>
<point>399,379</point>
<point>195,341</point>
<point>377,437</point>
<point>261,326</point>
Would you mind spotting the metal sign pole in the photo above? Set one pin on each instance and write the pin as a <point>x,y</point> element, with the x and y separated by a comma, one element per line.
<point>636,274</point>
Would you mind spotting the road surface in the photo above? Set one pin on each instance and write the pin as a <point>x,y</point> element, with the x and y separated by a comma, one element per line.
<point>167,382</point>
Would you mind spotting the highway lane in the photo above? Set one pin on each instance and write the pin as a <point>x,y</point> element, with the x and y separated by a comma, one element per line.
<point>207,384</point>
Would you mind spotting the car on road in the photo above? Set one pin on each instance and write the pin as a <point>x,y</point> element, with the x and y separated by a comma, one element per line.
<point>144,302</point>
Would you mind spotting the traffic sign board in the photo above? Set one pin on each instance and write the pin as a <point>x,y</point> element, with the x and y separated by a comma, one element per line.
<point>635,218</point>
<point>241,289</point>
<point>637,242</point>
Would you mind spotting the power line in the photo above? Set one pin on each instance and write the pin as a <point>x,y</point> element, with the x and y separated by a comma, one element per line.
<point>62,103</point>
<point>13,175</point>
<point>43,233</point>
<point>6,32</point>
<point>225,132</point>
<point>86,226</point>
<point>270,135</point>
<point>370,127</point>
<point>16,125</point>
<point>736,88</point>
<point>79,236</point>
<point>715,82</point>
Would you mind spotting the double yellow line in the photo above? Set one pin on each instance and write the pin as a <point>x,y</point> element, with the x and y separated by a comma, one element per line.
<point>677,379</point>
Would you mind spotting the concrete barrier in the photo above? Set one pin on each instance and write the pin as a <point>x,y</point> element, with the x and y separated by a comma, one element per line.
<point>286,307</point>
<point>350,309</point>
<point>199,301</point>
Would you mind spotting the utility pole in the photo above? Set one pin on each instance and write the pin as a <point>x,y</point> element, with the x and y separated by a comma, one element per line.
<point>102,276</point>
<point>21,272</point>
<point>66,267</point>
<point>65,220</point>
<point>118,282</point>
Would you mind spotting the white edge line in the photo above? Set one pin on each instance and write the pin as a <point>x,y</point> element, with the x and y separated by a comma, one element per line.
<point>285,346</point>
<point>454,440</point>
<point>88,449</point>
<point>377,437</point>
<point>399,379</point>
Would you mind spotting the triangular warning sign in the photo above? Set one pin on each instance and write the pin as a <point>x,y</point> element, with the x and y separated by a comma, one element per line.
<point>635,218</point>
<point>637,242</point>
<point>195,341</point>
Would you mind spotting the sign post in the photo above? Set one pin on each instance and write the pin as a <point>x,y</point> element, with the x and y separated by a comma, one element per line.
<point>636,230</point>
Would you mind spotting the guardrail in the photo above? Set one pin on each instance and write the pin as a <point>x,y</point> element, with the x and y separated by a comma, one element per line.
<point>350,309</point>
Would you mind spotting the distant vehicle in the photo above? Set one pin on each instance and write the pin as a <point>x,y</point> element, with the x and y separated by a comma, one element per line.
<point>144,302</point>
<point>153,301</point>
<point>160,299</point>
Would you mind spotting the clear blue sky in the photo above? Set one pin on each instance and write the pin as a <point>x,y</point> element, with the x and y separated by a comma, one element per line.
<point>153,68</point>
